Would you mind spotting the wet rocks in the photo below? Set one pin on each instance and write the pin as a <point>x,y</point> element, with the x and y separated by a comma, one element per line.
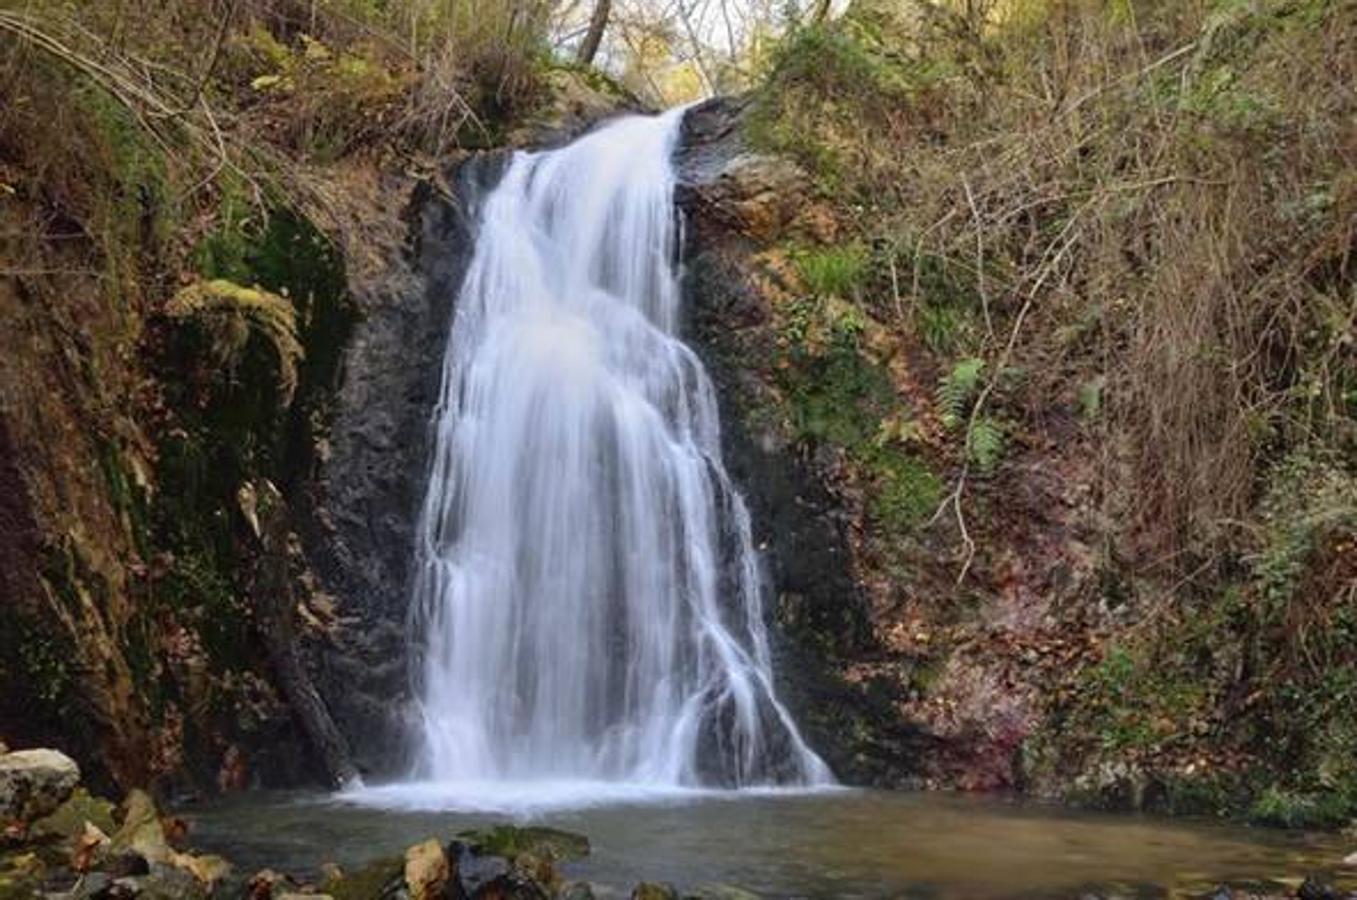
<point>384,878</point>
<point>68,853</point>
<point>33,783</point>
<point>510,842</point>
<point>500,863</point>
<point>426,870</point>
<point>71,818</point>
<point>650,890</point>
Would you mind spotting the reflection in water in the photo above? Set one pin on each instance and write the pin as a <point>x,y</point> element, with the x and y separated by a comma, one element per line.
<point>828,844</point>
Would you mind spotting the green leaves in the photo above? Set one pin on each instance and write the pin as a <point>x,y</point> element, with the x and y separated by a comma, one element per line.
<point>957,389</point>
<point>985,436</point>
<point>985,442</point>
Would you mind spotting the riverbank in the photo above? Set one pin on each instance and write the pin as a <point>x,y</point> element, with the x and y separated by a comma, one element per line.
<point>705,844</point>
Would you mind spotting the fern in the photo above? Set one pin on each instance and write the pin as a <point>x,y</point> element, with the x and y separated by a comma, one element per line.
<point>985,443</point>
<point>956,390</point>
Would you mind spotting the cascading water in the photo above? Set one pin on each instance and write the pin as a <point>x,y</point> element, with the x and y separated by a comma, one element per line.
<point>587,604</point>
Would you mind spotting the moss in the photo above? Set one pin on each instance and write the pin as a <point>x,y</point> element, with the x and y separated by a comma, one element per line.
<point>838,397</point>
<point>136,213</point>
<point>127,497</point>
<point>510,842</point>
<point>1288,809</point>
<point>907,493</point>
<point>376,879</point>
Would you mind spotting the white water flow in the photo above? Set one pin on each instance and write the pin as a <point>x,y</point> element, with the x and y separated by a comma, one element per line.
<point>587,605</point>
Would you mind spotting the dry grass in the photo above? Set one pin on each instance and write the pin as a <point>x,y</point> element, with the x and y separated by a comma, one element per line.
<point>1142,217</point>
<point>1137,191</point>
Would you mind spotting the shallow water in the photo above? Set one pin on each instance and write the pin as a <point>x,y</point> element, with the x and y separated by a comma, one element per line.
<point>823,844</point>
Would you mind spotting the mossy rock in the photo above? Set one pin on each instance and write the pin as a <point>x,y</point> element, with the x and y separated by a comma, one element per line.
<point>511,842</point>
<point>69,819</point>
<point>20,875</point>
<point>720,892</point>
<point>381,878</point>
<point>652,890</point>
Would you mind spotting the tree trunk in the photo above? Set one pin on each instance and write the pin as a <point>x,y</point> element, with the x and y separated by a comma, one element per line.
<point>275,607</point>
<point>598,23</point>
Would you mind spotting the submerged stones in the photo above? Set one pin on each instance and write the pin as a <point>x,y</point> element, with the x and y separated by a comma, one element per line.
<point>499,863</point>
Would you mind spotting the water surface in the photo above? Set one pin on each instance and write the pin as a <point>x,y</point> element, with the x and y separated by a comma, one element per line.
<point>839,843</point>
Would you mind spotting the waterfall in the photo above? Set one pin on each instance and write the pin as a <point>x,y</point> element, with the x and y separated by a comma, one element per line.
<point>587,600</point>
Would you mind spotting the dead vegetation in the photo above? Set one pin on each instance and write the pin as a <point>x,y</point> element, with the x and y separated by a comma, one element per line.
<point>1137,221</point>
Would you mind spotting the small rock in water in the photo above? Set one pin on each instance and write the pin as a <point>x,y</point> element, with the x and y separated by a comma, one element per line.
<point>383,878</point>
<point>509,842</point>
<point>538,869</point>
<point>1350,860</point>
<point>95,884</point>
<point>1314,889</point>
<point>475,871</point>
<point>33,783</point>
<point>651,890</point>
<point>577,890</point>
<point>426,870</point>
<point>721,892</point>
<point>266,884</point>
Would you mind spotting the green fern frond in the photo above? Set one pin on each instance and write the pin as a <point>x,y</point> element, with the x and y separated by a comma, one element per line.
<point>985,441</point>
<point>957,388</point>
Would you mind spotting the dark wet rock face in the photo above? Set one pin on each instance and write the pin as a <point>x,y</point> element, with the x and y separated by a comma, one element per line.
<point>373,480</point>
<point>734,201</point>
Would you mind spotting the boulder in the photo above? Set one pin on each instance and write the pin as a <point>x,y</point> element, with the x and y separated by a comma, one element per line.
<point>267,884</point>
<point>141,832</point>
<point>538,869</point>
<point>95,884</point>
<point>208,869</point>
<point>382,878</point>
<point>165,882</point>
<point>426,870</point>
<point>33,783</point>
<point>514,886</point>
<point>141,837</point>
<point>474,871</point>
<point>510,842</point>
<point>69,819</point>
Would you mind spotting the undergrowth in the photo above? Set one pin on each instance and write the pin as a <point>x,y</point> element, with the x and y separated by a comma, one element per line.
<point>1121,232</point>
